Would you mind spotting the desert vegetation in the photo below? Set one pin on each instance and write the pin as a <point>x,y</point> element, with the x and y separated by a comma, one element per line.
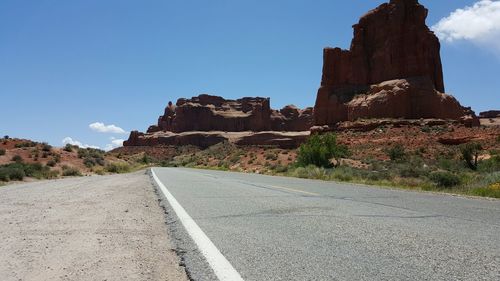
<point>27,160</point>
<point>468,169</point>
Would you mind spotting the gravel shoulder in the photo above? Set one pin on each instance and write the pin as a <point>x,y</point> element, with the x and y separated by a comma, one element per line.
<point>91,228</point>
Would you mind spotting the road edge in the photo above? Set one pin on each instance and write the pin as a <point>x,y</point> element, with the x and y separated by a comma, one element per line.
<point>219,265</point>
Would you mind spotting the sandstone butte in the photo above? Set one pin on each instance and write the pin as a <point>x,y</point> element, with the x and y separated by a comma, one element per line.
<point>206,120</point>
<point>392,70</point>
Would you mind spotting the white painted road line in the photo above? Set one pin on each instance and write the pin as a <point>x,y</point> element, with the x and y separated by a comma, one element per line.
<point>219,264</point>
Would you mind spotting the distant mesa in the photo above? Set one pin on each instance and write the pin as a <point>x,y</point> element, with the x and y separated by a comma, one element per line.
<point>392,70</point>
<point>206,120</point>
<point>214,113</point>
<point>490,114</point>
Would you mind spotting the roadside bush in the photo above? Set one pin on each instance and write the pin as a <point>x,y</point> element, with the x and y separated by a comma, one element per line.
<point>470,153</point>
<point>16,174</point>
<point>118,168</point>
<point>489,165</point>
<point>8,173</point>
<point>396,152</point>
<point>2,151</point>
<point>51,163</point>
<point>318,150</point>
<point>71,172</point>
<point>444,179</point>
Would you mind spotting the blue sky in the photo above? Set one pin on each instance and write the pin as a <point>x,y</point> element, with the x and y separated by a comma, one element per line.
<point>67,64</point>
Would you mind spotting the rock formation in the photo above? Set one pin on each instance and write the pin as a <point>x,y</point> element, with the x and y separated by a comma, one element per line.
<point>392,69</point>
<point>212,113</point>
<point>490,114</point>
<point>206,120</point>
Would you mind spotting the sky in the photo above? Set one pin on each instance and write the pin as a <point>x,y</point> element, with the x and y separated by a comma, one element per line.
<point>89,71</point>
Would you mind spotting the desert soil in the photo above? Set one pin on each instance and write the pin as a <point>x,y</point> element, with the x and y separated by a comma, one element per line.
<point>90,228</point>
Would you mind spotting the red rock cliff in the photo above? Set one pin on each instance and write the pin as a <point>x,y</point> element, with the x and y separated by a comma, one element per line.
<point>390,42</point>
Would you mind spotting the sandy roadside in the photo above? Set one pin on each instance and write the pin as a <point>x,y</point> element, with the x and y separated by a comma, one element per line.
<point>92,228</point>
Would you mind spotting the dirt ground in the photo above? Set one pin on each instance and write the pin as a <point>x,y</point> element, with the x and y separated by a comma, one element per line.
<point>90,228</point>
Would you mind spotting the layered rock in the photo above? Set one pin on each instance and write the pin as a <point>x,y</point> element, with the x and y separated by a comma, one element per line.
<point>391,43</point>
<point>213,113</point>
<point>206,120</point>
<point>490,114</point>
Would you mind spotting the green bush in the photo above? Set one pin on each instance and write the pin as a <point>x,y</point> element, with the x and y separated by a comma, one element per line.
<point>318,150</point>
<point>51,163</point>
<point>118,168</point>
<point>8,173</point>
<point>46,147</point>
<point>489,165</point>
<point>25,144</point>
<point>17,174</point>
<point>2,151</point>
<point>68,147</point>
<point>71,172</point>
<point>444,179</point>
<point>470,153</point>
<point>396,152</point>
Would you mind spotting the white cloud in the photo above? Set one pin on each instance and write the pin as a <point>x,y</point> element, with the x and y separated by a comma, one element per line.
<point>114,143</point>
<point>101,128</point>
<point>69,140</point>
<point>479,24</point>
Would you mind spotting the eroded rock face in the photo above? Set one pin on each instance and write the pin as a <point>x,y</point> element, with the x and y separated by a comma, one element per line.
<point>391,42</point>
<point>490,114</point>
<point>212,113</point>
<point>410,98</point>
<point>206,115</point>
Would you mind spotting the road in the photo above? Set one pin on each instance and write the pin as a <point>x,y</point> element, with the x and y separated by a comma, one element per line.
<point>276,228</point>
<point>87,228</point>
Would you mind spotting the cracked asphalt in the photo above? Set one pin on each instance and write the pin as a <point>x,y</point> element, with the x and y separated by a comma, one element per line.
<point>276,228</point>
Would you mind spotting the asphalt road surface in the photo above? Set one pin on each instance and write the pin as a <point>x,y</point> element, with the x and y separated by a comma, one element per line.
<point>276,228</point>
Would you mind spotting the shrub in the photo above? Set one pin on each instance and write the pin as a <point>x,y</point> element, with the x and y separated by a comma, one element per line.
<point>145,159</point>
<point>25,144</point>
<point>51,163</point>
<point>68,147</point>
<point>17,158</point>
<point>470,153</point>
<point>71,172</point>
<point>89,162</point>
<point>4,175</point>
<point>16,174</point>
<point>318,150</point>
<point>490,165</point>
<point>46,147</point>
<point>444,179</point>
<point>396,152</point>
<point>2,151</point>
<point>271,156</point>
<point>118,168</point>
